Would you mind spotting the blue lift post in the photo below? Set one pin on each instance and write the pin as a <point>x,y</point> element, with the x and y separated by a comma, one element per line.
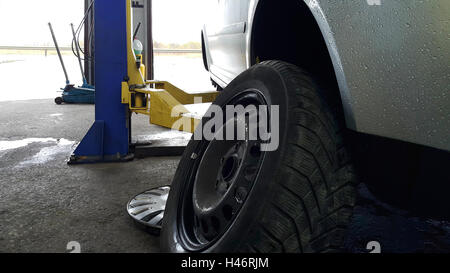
<point>108,140</point>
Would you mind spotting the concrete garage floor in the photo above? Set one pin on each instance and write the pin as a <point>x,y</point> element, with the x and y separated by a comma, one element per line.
<point>44,203</point>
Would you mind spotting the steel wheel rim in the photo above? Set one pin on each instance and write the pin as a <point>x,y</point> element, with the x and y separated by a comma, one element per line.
<point>241,161</point>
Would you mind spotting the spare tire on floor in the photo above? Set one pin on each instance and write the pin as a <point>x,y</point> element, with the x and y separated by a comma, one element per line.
<point>233,196</point>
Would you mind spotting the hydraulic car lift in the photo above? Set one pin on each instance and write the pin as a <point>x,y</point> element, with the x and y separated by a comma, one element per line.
<point>121,89</point>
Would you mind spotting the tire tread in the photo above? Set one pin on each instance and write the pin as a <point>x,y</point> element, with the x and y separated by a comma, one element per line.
<point>315,146</point>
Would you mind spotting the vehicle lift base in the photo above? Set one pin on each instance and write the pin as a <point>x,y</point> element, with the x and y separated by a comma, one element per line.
<point>121,90</point>
<point>155,149</point>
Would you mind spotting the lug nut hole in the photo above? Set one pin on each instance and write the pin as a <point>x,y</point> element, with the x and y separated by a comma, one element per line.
<point>228,212</point>
<point>229,168</point>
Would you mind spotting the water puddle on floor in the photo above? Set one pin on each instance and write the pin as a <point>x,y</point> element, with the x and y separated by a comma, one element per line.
<point>56,115</point>
<point>171,134</point>
<point>46,154</point>
<point>168,138</point>
<point>16,144</point>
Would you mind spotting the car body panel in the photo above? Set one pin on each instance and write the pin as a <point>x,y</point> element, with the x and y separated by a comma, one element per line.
<point>391,61</point>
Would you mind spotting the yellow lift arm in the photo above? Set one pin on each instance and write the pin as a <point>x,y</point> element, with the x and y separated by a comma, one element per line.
<point>163,102</point>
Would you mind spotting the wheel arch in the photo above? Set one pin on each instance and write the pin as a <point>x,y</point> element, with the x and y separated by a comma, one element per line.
<point>312,34</point>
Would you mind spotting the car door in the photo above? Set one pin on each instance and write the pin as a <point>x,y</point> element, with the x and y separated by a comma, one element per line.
<point>227,39</point>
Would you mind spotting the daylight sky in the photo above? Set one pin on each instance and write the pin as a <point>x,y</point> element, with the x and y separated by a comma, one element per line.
<point>180,21</point>
<point>24,22</point>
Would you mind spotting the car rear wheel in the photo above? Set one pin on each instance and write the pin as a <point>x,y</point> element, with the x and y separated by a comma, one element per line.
<point>233,196</point>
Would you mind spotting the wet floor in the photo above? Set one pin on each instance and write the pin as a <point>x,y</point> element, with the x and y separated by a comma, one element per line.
<point>45,204</point>
<point>396,230</point>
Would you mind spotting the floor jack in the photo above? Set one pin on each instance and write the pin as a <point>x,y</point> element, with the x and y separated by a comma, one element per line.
<point>121,90</point>
<point>84,94</point>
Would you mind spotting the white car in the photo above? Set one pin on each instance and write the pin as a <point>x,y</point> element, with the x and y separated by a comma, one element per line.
<point>362,86</point>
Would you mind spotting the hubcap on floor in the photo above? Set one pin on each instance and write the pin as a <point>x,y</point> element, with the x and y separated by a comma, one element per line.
<point>148,208</point>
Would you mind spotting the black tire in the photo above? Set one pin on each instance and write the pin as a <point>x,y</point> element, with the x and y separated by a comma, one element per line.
<point>59,100</point>
<point>302,198</point>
